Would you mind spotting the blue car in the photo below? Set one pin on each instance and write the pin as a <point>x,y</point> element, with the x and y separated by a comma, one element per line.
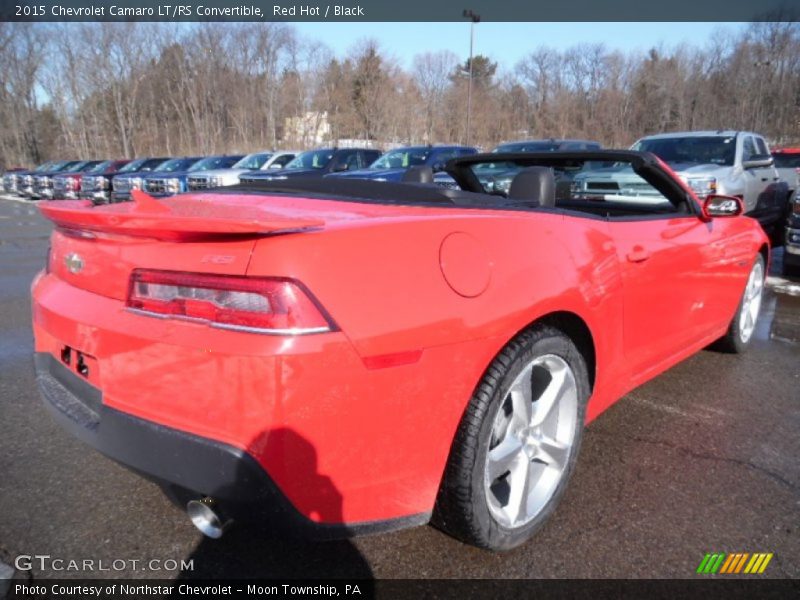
<point>316,163</point>
<point>393,165</point>
<point>171,178</point>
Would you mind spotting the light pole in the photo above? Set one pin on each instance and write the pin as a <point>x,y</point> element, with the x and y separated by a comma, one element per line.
<point>474,18</point>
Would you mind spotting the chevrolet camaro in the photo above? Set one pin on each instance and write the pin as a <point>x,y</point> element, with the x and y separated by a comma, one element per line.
<point>346,356</point>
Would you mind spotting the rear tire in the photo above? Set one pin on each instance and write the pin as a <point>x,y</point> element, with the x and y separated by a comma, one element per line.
<point>517,443</point>
<point>742,327</point>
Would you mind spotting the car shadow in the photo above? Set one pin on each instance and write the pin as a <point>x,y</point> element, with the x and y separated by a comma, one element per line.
<point>266,550</point>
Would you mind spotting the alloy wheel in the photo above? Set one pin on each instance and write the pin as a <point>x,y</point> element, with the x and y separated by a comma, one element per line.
<point>531,441</point>
<point>751,302</point>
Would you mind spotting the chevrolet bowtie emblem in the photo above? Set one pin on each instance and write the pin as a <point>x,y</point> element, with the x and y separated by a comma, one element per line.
<point>74,262</point>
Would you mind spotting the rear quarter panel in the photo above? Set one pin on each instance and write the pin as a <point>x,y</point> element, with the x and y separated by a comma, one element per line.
<point>383,284</point>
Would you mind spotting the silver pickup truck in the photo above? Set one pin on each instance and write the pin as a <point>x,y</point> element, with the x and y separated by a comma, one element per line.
<point>732,163</point>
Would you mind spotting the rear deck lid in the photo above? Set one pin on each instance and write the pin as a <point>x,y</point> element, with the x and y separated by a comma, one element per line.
<point>182,218</point>
<point>96,249</point>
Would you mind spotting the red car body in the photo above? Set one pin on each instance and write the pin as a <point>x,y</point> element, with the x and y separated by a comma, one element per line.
<point>353,425</point>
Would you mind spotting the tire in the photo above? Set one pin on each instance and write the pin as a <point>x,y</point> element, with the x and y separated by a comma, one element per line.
<point>790,269</point>
<point>477,502</point>
<point>741,329</point>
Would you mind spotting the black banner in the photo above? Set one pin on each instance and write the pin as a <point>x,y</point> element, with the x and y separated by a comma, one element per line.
<point>733,589</point>
<point>390,10</point>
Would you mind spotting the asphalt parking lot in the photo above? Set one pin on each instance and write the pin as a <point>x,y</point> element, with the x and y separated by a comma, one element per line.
<point>702,459</point>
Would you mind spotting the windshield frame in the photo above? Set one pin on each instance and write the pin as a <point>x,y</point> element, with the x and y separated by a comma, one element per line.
<point>300,158</point>
<point>201,165</point>
<point>182,164</point>
<point>657,146</point>
<point>242,162</point>
<point>408,151</point>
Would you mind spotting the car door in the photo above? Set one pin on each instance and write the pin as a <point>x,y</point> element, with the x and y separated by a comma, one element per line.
<point>759,181</point>
<point>774,195</point>
<point>671,265</point>
<point>367,157</point>
<point>346,160</point>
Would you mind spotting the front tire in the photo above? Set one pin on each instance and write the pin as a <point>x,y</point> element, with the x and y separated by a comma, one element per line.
<point>517,442</point>
<point>742,327</point>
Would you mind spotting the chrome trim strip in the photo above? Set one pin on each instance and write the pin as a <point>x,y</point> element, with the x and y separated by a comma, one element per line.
<point>242,328</point>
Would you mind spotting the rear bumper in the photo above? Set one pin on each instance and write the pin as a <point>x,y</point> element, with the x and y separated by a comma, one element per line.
<point>344,442</point>
<point>169,456</point>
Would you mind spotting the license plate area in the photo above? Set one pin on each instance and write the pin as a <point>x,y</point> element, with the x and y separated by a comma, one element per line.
<point>82,364</point>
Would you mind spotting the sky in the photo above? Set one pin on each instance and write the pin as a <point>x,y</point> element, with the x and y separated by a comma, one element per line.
<point>507,43</point>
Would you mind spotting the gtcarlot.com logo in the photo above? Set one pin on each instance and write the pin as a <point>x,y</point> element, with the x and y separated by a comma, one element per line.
<point>46,562</point>
<point>733,563</point>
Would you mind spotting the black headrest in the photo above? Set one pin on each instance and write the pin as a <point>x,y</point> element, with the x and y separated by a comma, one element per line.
<point>419,174</point>
<point>534,184</point>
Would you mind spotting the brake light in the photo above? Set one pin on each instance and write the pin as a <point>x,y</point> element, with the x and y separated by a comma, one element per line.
<point>273,305</point>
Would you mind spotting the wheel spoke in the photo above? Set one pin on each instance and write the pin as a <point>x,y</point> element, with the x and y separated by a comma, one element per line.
<point>502,456</point>
<point>754,289</point>
<point>550,396</point>
<point>553,453</point>
<point>518,483</point>
<point>521,399</point>
<point>753,310</point>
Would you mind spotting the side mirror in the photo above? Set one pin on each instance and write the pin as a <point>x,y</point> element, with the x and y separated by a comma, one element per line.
<point>758,161</point>
<point>716,206</point>
<point>439,166</point>
<point>339,167</point>
<point>275,166</point>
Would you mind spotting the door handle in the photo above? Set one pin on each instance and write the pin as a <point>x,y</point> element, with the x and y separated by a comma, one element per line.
<point>638,254</point>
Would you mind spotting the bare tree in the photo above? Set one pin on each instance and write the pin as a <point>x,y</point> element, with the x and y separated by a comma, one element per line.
<point>432,72</point>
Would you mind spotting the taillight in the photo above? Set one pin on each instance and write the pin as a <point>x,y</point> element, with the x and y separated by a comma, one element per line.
<point>271,305</point>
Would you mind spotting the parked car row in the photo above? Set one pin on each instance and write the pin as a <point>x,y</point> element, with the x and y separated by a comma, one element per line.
<point>734,163</point>
<point>113,180</point>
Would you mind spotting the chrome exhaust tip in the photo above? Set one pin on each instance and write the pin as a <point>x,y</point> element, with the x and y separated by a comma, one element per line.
<point>207,517</point>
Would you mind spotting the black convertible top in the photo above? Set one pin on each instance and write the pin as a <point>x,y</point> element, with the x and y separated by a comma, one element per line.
<point>341,188</point>
<point>471,193</point>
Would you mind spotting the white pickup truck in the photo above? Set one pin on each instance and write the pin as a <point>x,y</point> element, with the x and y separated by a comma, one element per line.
<point>732,163</point>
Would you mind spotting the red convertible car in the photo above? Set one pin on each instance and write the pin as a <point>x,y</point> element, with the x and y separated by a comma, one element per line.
<point>355,356</point>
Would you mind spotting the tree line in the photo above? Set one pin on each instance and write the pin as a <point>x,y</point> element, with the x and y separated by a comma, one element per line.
<point>72,90</point>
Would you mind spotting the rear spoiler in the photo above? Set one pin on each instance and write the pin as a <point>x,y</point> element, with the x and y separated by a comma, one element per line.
<point>177,221</point>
